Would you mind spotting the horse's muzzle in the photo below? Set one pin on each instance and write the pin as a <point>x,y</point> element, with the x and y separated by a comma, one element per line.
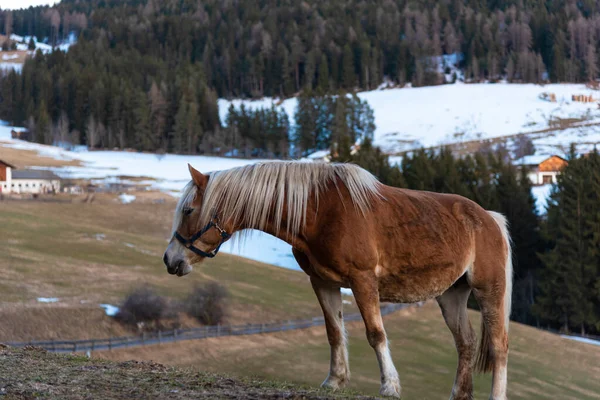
<point>178,268</point>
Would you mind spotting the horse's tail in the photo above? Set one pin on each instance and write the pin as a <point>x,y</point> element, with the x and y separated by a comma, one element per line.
<point>485,356</point>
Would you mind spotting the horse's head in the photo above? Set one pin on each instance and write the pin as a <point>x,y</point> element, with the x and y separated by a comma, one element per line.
<point>193,240</point>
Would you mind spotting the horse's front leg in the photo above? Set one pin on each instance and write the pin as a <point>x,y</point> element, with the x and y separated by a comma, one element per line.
<point>366,293</point>
<point>330,299</point>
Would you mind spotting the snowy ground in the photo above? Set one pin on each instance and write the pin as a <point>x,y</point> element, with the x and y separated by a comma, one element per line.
<point>18,4</point>
<point>582,339</point>
<point>410,118</point>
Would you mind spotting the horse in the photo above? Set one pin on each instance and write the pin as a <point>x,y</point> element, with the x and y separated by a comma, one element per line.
<point>348,230</point>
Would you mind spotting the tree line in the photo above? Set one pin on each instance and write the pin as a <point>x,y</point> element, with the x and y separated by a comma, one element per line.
<point>275,48</point>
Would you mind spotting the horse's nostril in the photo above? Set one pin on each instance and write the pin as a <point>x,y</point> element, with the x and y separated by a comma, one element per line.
<point>166,260</point>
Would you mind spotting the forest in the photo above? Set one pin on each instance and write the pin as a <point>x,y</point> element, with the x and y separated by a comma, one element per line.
<point>140,63</point>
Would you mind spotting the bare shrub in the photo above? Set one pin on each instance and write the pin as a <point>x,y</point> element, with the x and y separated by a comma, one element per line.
<point>523,146</point>
<point>207,303</point>
<point>143,308</point>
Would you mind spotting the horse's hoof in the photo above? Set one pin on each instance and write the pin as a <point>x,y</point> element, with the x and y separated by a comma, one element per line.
<point>462,396</point>
<point>334,383</point>
<point>391,388</point>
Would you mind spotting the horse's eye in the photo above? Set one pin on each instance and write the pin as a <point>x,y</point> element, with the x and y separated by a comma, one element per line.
<point>188,211</point>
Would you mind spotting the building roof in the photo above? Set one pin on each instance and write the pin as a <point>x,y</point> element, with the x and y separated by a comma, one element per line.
<point>35,174</point>
<point>7,164</point>
<point>535,159</point>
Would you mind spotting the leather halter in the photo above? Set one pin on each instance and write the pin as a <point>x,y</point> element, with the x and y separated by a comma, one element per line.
<point>189,243</point>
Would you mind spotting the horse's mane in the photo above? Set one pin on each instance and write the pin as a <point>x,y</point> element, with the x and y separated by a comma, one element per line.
<point>249,194</point>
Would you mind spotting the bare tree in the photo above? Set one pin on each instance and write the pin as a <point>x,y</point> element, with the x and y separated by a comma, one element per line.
<point>61,130</point>
<point>122,138</point>
<point>591,62</point>
<point>158,113</point>
<point>8,23</point>
<point>91,130</point>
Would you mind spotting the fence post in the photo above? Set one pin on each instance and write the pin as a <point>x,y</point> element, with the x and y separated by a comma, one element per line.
<point>175,334</point>
<point>219,330</point>
<point>74,347</point>
<point>109,344</point>
<point>159,337</point>
<point>53,345</point>
<point>93,344</point>
<point>262,328</point>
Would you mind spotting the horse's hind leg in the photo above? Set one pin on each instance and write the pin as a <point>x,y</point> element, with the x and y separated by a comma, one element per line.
<point>453,303</point>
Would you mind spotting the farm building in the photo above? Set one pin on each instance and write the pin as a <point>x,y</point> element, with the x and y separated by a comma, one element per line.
<point>543,169</point>
<point>27,181</point>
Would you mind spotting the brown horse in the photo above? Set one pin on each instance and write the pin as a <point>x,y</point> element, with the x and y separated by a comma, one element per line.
<point>348,230</point>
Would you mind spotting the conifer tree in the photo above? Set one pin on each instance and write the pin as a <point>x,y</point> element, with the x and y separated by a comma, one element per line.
<point>569,295</point>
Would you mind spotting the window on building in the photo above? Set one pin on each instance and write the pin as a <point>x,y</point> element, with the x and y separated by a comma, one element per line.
<point>546,179</point>
<point>27,185</point>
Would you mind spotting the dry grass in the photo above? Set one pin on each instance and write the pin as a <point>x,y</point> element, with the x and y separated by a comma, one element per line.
<point>97,253</point>
<point>541,366</point>
<point>20,59</point>
<point>29,158</point>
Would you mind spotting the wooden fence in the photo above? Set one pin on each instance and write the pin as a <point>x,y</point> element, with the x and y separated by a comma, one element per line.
<point>177,335</point>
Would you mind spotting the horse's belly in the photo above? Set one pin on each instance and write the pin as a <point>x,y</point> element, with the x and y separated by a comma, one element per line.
<point>410,285</point>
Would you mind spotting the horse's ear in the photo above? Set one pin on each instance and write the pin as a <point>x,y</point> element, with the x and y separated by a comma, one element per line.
<point>198,177</point>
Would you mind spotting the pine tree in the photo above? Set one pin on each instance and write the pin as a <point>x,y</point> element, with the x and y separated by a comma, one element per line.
<point>569,296</point>
<point>323,79</point>
<point>348,71</point>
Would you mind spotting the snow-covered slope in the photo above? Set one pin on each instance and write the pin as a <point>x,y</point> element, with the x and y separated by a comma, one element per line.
<point>168,173</point>
<point>409,118</point>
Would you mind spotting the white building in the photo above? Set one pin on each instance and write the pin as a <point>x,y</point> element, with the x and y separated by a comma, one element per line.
<point>543,169</point>
<point>27,180</point>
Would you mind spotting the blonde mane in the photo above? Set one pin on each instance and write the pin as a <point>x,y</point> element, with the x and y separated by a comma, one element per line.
<point>248,195</point>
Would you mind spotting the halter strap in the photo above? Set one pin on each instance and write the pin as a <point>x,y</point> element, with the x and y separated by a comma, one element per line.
<point>189,243</point>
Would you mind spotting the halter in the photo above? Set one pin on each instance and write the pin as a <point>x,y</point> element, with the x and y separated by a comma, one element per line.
<point>189,243</point>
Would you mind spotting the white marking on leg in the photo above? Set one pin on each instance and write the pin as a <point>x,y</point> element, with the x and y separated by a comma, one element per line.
<point>390,382</point>
<point>499,383</point>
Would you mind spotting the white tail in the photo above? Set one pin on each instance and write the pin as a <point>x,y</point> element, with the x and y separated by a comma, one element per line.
<point>508,270</point>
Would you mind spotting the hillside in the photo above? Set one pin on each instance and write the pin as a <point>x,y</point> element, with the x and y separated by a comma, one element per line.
<point>32,373</point>
<point>411,118</point>
<point>86,254</point>
<point>541,365</point>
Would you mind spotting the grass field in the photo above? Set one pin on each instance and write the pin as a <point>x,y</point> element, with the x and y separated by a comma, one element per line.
<point>541,365</point>
<point>86,254</point>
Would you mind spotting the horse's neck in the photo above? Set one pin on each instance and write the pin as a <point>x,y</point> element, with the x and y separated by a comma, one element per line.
<point>283,232</point>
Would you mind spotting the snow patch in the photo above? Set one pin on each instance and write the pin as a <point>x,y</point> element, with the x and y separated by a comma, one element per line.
<point>126,198</point>
<point>47,299</point>
<point>110,310</point>
<point>541,195</point>
<point>100,236</point>
<point>582,339</point>
<point>409,118</point>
